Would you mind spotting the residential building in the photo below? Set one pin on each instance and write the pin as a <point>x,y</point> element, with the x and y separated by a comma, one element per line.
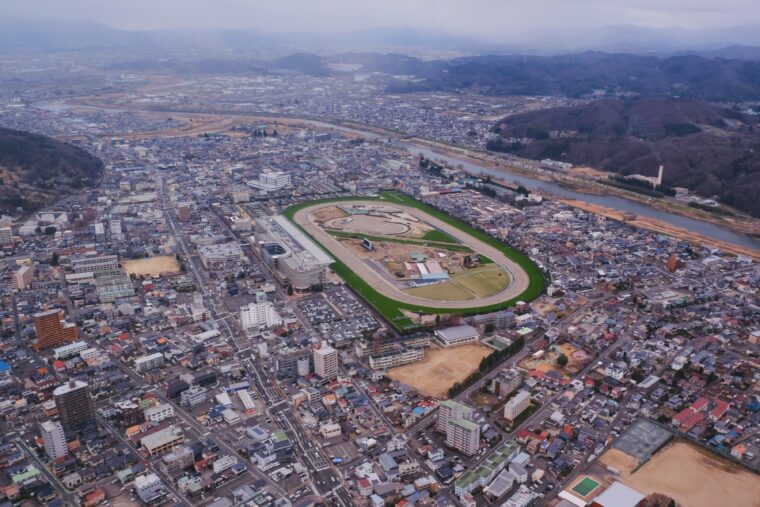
<point>449,410</point>
<point>159,412</point>
<point>463,435</point>
<point>6,236</point>
<point>75,406</point>
<point>52,329</point>
<point>53,439</point>
<point>148,487</point>
<point>148,362</point>
<point>22,277</point>
<point>259,315</point>
<point>326,362</point>
<point>516,405</point>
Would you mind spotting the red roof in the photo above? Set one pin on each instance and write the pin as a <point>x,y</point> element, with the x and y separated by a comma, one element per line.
<point>700,404</point>
<point>720,408</point>
<point>692,421</point>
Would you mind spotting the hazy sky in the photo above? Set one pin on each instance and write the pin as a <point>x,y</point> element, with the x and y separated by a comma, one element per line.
<point>488,18</point>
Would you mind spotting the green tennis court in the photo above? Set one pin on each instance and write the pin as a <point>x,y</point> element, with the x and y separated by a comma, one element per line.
<point>586,486</point>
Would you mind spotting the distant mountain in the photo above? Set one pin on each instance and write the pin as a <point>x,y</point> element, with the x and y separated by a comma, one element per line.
<point>36,169</point>
<point>581,74</point>
<point>48,34</point>
<point>710,150</point>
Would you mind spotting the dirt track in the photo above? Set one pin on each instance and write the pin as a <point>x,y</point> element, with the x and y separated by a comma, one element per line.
<point>519,278</point>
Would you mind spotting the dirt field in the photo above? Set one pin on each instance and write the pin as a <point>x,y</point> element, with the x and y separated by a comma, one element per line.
<point>619,460</point>
<point>576,359</point>
<point>696,478</point>
<point>441,368</point>
<point>152,266</point>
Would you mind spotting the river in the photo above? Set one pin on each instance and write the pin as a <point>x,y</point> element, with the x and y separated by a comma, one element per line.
<point>706,229</point>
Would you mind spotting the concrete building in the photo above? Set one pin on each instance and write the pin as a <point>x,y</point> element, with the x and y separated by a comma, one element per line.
<point>163,440</point>
<point>69,350</point>
<point>449,410</point>
<point>463,435</point>
<point>98,265</point>
<point>52,329</point>
<point>22,277</point>
<point>394,358</point>
<point>326,362</point>
<point>193,396</point>
<point>295,258</point>
<point>6,236</point>
<point>114,286</point>
<point>457,335</point>
<point>75,406</point>
<point>506,382</point>
<point>329,430</point>
<point>259,315</point>
<point>148,487</point>
<point>159,413</point>
<point>216,254</point>
<point>516,405</point>
<point>270,181</point>
<point>53,439</point>
<point>148,362</point>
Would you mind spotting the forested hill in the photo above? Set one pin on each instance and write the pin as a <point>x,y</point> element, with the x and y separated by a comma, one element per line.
<point>714,151</point>
<point>36,169</point>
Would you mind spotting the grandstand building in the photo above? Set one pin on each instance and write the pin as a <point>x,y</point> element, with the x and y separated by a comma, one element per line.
<point>296,260</point>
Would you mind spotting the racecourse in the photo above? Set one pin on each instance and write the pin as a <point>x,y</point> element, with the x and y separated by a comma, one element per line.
<point>519,279</point>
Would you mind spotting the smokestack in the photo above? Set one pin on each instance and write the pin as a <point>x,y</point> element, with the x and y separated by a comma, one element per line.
<point>659,176</point>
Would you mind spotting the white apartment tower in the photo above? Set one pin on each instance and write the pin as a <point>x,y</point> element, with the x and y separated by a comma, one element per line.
<point>463,435</point>
<point>516,405</point>
<point>53,439</point>
<point>449,410</point>
<point>259,315</point>
<point>326,362</point>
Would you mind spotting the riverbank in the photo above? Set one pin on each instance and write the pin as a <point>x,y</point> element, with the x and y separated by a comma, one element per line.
<point>662,227</point>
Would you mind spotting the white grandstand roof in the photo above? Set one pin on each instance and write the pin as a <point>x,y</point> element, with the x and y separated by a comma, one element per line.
<point>302,239</point>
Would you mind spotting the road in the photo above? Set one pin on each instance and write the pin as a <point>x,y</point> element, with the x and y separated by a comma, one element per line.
<point>329,480</point>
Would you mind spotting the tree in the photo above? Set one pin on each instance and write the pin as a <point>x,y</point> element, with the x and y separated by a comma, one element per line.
<point>562,360</point>
<point>290,290</point>
<point>54,259</point>
<point>50,230</point>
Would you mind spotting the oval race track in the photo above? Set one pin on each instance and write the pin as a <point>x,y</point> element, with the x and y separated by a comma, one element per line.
<point>519,278</point>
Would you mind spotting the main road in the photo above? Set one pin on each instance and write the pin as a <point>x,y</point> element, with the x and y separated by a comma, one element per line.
<point>519,279</point>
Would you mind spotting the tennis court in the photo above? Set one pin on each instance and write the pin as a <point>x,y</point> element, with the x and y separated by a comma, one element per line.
<point>586,486</point>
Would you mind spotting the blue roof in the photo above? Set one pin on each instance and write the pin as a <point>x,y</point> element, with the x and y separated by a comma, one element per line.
<point>4,366</point>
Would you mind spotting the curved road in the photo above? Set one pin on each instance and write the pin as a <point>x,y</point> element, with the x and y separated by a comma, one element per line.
<point>519,278</point>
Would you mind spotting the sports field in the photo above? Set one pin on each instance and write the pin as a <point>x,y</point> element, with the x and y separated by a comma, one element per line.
<point>586,486</point>
<point>152,266</point>
<point>696,477</point>
<point>441,369</point>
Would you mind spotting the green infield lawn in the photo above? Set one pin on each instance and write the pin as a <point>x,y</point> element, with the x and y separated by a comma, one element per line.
<point>442,291</point>
<point>483,281</point>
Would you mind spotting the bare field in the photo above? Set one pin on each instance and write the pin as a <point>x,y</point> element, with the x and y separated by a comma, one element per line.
<point>695,477</point>
<point>441,369</point>
<point>152,266</point>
